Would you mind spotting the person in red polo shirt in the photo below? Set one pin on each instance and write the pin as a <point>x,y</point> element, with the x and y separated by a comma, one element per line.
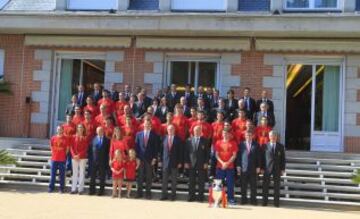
<point>108,127</point>
<point>206,129</point>
<point>107,101</point>
<point>129,132</point>
<point>79,152</point>
<point>226,151</point>
<point>120,104</point>
<point>69,131</point>
<point>101,118</point>
<point>90,106</point>
<point>262,132</point>
<point>59,148</point>
<point>78,118</point>
<point>218,127</point>
<point>169,121</point>
<point>239,126</point>
<point>193,116</point>
<point>127,113</point>
<point>180,122</point>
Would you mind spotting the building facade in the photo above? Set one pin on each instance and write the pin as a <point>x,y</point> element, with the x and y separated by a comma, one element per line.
<point>305,53</point>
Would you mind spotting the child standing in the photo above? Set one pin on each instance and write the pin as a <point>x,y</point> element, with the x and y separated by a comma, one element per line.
<point>118,171</point>
<point>130,172</point>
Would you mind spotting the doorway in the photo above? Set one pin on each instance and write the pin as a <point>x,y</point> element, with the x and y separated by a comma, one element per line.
<point>313,107</point>
<point>70,73</point>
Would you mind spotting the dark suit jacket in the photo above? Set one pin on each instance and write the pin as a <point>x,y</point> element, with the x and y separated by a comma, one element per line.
<point>114,95</point>
<point>269,103</point>
<point>100,154</point>
<point>97,97</point>
<point>139,109</point>
<point>147,152</point>
<point>81,101</point>
<point>187,111</point>
<point>172,100</point>
<point>215,110</point>
<point>273,161</point>
<point>170,159</point>
<point>231,107</point>
<point>248,161</point>
<point>160,114</point>
<point>70,109</point>
<point>252,107</point>
<point>190,99</point>
<point>202,153</point>
<point>270,117</point>
<point>147,101</point>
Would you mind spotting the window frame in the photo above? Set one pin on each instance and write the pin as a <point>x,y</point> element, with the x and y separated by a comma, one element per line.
<point>79,5</point>
<point>312,7</point>
<point>199,6</point>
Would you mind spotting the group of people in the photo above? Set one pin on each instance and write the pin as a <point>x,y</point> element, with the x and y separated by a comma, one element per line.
<point>131,137</point>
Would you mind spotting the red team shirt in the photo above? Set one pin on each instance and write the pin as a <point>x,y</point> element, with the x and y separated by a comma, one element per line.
<point>239,127</point>
<point>225,151</point>
<point>79,146</point>
<point>108,103</point>
<point>77,119</point>
<point>90,127</point>
<point>119,107</point>
<point>94,110</point>
<point>206,129</point>
<point>131,170</point>
<point>181,126</point>
<point>217,127</point>
<point>262,134</point>
<point>59,146</point>
<point>118,165</point>
<point>117,145</point>
<point>129,134</point>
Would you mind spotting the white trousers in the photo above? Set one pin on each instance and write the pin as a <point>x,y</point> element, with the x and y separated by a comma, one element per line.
<point>78,177</point>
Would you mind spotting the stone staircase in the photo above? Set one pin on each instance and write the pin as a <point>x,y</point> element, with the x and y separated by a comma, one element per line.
<point>311,177</point>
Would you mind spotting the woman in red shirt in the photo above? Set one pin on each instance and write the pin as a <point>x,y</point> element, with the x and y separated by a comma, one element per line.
<point>193,118</point>
<point>78,117</point>
<point>132,164</point>
<point>129,131</point>
<point>117,143</point>
<point>118,171</point>
<point>59,148</point>
<point>90,106</point>
<point>79,152</point>
<point>107,101</point>
<point>262,132</point>
<point>169,121</point>
<point>108,127</point>
<point>120,104</point>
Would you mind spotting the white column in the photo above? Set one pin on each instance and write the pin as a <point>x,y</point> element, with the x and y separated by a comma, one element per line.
<point>349,5</point>
<point>276,5</point>
<point>61,5</point>
<point>123,5</point>
<point>232,5</point>
<point>164,5</point>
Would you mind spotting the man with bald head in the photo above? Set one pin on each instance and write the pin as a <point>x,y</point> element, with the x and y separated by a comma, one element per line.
<point>100,157</point>
<point>197,153</point>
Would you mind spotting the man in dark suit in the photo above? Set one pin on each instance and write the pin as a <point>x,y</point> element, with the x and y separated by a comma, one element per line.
<point>185,107</point>
<point>265,99</point>
<point>97,93</point>
<point>189,96</point>
<point>201,93</point>
<point>264,113</point>
<point>127,92</point>
<point>140,108</point>
<point>172,98</point>
<point>147,100</point>
<point>214,103</point>
<point>146,146</point>
<point>248,166</point>
<point>171,158</point>
<point>100,160</point>
<point>197,153</point>
<point>201,106</point>
<point>81,96</point>
<point>220,108</point>
<point>250,104</point>
<point>114,95</point>
<point>273,164</point>
<point>231,104</point>
<point>70,108</point>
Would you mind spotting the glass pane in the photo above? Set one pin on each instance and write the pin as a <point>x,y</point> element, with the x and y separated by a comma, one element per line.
<point>325,3</point>
<point>65,89</point>
<point>298,107</point>
<point>93,71</point>
<point>179,74</point>
<point>327,98</point>
<point>297,3</point>
<point>207,74</point>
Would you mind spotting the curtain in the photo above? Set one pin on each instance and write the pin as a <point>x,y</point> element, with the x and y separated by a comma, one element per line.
<point>65,89</point>
<point>331,96</point>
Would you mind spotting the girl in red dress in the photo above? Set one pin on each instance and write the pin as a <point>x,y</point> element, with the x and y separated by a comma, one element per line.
<point>118,171</point>
<point>132,165</point>
<point>117,143</point>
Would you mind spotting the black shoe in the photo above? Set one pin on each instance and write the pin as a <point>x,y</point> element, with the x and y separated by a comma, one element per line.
<point>163,198</point>
<point>173,198</point>
<point>148,196</point>
<point>100,193</point>
<point>264,204</point>
<point>138,196</point>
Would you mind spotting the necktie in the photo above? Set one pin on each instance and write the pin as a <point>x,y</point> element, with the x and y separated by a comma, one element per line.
<point>170,142</point>
<point>146,138</point>
<point>248,145</point>
<point>247,104</point>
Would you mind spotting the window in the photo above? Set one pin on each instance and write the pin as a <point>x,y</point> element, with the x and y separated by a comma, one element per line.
<point>198,5</point>
<point>2,63</point>
<point>92,4</point>
<point>311,4</point>
<point>3,3</point>
<point>203,73</point>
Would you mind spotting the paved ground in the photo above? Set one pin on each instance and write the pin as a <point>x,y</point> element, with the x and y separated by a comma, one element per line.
<point>19,204</point>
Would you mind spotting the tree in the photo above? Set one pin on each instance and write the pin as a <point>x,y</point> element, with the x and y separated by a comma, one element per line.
<point>356,177</point>
<point>6,158</point>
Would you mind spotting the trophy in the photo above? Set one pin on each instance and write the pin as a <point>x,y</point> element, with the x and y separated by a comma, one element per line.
<point>217,194</point>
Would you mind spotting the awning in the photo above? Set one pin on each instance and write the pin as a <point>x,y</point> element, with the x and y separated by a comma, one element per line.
<point>232,44</point>
<point>78,41</point>
<point>313,45</point>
